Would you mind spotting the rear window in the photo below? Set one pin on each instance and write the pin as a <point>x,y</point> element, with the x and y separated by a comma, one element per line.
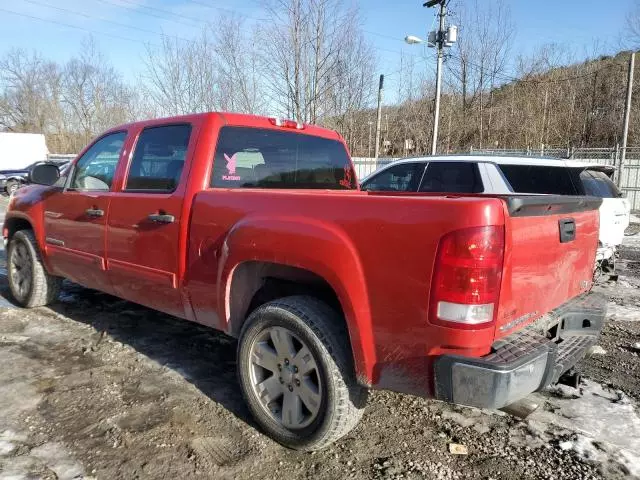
<point>598,184</point>
<point>540,179</point>
<point>261,158</point>
<point>452,177</point>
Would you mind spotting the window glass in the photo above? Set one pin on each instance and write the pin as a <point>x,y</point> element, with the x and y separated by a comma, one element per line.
<point>158,159</point>
<point>540,179</point>
<point>452,177</point>
<point>96,168</point>
<point>261,158</point>
<point>598,184</point>
<point>403,177</point>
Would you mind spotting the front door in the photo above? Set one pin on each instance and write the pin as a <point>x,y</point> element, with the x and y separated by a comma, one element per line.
<point>75,216</point>
<point>143,231</point>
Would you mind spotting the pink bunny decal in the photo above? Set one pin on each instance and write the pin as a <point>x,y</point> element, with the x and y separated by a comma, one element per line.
<point>231,163</point>
<point>231,169</point>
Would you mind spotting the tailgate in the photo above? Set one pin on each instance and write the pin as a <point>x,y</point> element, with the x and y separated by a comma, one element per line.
<point>550,246</point>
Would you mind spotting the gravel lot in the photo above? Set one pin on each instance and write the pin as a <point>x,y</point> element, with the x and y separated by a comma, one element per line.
<point>96,387</point>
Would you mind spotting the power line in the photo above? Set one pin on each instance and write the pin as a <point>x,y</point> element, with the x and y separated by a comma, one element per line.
<point>104,20</point>
<point>76,27</point>
<point>150,14</point>
<point>165,12</point>
<point>223,9</point>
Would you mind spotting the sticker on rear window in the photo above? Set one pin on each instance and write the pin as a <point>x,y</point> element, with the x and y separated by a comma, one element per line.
<point>231,169</point>
<point>347,180</point>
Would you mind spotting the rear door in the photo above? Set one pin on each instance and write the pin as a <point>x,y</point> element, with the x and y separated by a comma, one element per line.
<point>144,224</point>
<point>452,177</point>
<point>75,216</point>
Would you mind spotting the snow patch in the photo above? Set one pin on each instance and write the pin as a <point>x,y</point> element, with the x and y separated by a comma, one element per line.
<point>606,423</point>
<point>57,459</point>
<point>632,240</point>
<point>623,313</point>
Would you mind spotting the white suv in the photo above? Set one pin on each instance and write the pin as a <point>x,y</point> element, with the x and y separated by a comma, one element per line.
<point>508,175</point>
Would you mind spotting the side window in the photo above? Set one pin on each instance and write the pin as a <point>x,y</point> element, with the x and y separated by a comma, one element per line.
<point>540,179</point>
<point>404,177</point>
<point>159,158</point>
<point>96,168</point>
<point>452,177</point>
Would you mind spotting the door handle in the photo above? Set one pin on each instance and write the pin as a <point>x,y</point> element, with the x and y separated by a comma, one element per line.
<point>94,212</point>
<point>161,218</point>
<point>567,230</point>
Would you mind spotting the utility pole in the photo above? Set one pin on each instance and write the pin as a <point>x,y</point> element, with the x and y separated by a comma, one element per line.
<point>440,40</point>
<point>369,153</point>
<point>627,111</point>
<point>379,119</point>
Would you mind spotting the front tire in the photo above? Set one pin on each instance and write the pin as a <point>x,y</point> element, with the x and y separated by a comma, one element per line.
<point>29,282</point>
<point>296,373</point>
<point>12,186</point>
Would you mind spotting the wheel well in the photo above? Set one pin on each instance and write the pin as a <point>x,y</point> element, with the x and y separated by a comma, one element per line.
<point>256,283</point>
<point>15,224</point>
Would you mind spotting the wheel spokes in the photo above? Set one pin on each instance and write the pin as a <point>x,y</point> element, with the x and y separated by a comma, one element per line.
<point>292,415</point>
<point>20,269</point>
<point>285,377</point>
<point>265,356</point>
<point>304,361</point>
<point>270,390</point>
<point>310,395</point>
<point>283,343</point>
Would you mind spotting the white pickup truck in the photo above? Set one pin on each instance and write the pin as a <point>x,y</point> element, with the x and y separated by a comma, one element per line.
<point>493,174</point>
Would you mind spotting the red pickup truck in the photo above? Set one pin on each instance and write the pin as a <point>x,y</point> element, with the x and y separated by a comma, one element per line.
<point>257,227</point>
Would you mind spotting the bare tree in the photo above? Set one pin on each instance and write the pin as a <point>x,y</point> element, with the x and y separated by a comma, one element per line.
<point>238,73</point>
<point>479,59</point>
<point>631,35</point>
<point>29,100</point>
<point>305,47</point>
<point>93,94</point>
<point>180,77</point>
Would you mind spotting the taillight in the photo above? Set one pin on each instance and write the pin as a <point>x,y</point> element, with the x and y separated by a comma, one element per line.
<point>466,279</point>
<point>281,122</point>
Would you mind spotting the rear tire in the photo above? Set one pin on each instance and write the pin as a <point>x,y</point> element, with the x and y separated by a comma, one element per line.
<point>29,282</point>
<point>296,373</point>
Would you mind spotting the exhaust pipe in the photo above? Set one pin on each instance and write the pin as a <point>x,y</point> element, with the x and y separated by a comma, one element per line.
<point>570,378</point>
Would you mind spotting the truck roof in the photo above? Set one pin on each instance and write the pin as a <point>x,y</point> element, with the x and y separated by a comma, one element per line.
<point>236,119</point>
<point>510,160</point>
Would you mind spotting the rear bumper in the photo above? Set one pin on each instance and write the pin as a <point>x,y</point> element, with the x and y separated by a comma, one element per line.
<point>526,361</point>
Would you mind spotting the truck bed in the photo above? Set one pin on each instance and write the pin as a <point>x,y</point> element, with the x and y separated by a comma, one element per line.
<point>377,252</point>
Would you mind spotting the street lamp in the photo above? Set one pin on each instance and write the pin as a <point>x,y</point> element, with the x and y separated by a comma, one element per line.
<point>441,38</point>
<point>413,40</point>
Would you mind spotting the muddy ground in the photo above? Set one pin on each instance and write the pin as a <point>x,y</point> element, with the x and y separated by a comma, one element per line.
<point>96,387</point>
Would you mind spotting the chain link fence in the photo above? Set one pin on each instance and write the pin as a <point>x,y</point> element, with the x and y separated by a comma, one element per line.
<point>627,175</point>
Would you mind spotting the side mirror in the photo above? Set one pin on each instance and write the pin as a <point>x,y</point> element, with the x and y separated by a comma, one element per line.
<point>45,174</point>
